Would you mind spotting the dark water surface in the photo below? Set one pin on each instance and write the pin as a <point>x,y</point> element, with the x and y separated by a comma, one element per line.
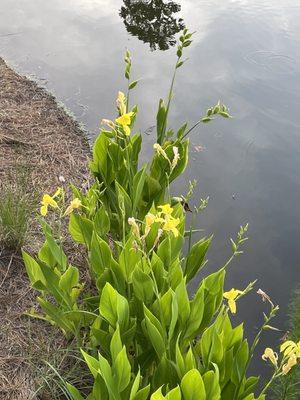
<point>246,53</point>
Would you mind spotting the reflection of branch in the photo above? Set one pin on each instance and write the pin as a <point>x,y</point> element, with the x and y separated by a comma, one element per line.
<point>152,21</point>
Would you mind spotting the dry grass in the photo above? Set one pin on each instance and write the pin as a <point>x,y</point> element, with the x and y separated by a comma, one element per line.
<point>38,135</point>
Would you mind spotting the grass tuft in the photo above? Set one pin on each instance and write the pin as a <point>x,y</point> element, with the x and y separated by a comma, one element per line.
<point>16,210</point>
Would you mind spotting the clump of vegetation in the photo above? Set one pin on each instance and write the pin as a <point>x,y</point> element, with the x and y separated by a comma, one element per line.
<point>288,386</point>
<point>142,335</point>
<point>16,210</point>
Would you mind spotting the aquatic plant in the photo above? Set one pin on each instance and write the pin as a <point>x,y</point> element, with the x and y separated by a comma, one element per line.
<point>142,335</point>
<point>287,387</point>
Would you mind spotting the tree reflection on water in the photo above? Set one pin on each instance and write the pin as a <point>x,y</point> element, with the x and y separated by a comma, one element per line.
<point>152,21</point>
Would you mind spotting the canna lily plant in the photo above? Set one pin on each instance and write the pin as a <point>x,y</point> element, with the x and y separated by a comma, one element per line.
<point>142,335</point>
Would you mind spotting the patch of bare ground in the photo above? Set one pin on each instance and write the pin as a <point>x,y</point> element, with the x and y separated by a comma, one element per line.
<point>38,135</point>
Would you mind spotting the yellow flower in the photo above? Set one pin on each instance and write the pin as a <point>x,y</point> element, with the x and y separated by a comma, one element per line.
<point>291,362</point>
<point>150,219</point>
<point>48,200</point>
<point>231,296</point>
<point>166,209</point>
<point>289,347</point>
<point>270,355</point>
<point>170,225</point>
<point>125,120</point>
<point>75,203</point>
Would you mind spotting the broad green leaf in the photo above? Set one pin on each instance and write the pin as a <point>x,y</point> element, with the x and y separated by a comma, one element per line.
<point>195,258</point>
<point>122,370</point>
<point>101,222</point>
<point>56,250</point>
<point>114,307</point>
<point>174,394</point>
<point>34,272</point>
<point>143,286</point>
<point>69,279</point>
<point>192,386</point>
<point>92,363</point>
<point>74,392</point>
<point>183,303</point>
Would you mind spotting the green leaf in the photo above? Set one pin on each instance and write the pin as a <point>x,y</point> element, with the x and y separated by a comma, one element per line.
<point>195,258</point>
<point>143,286</point>
<point>34,272</point>
<point>192,386</point>
<point>142,394</point>
<point>133,84</point>
<point>183,303</point>
<point>74,392</point>
<point>157,395</point>
<point>174,394</point>
<point>56,250</point>
<point>138,186</point>
<point>101,222</point>
<point>161,121</point>
<point>211,383</point>
<point>155,337</point>
<point>106,373</point>
<point>122,370</point>
<point>115,344</point>
<point>196,314</point>
<point>135,386</point>
<point>81,229</point>
<point>100,255</point>
<point>92,363</point>
<point>69,279</point>
<point>114,307</point>
<point>46,256</point>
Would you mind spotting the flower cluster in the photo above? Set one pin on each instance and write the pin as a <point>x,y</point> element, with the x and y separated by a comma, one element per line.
<point>54,200</point>
<point>290,353</point>
<point>165,218</point>
<point>167,222</point>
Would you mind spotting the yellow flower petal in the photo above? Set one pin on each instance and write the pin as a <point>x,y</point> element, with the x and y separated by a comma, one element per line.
<point>166,209</point>
<point>44,210</point>
<point>47,200</point>
<point>75,203</point>
<point>232,294</point>
<point>288,347</point>
<point>57,193</point>
<point>270,355</point>
<point>232,306</point>
<point>150,219</point>
<point>288,366</point>
<point>170,225</point>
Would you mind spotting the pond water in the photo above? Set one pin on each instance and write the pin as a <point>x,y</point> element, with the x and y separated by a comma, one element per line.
<point>246,53</point>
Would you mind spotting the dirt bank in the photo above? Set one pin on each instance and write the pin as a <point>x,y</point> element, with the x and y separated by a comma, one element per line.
<point>38,135</point>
